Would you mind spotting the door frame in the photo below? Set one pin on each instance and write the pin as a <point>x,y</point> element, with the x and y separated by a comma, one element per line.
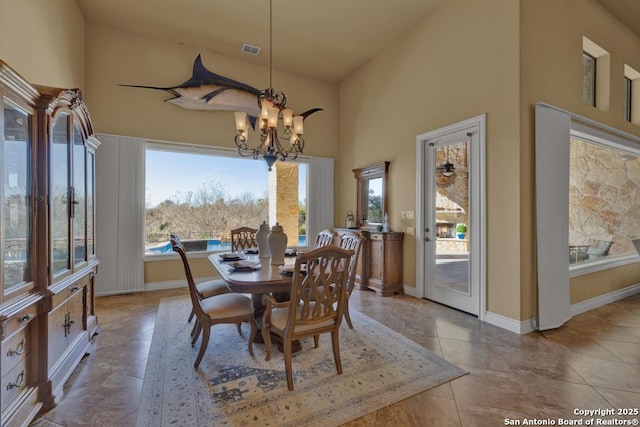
<point>477,251</point>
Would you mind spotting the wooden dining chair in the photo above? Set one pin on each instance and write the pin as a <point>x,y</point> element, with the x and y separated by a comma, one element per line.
<point>325,237</point>
<point>353,241</point>
<point>224,308</point>
<point>243,238</point>
<point>205,289</point>
<point>316,306</point>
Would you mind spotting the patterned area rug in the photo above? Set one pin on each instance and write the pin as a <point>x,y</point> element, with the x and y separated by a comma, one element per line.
<point>380,367</point>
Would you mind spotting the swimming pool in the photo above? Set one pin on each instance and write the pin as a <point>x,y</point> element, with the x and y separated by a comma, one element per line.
<point>198,245</point>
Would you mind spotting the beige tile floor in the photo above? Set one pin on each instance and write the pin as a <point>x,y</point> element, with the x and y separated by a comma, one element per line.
<point>593,362</point>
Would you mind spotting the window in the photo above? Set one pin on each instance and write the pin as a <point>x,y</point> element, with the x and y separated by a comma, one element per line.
<point>603,185</point>
<point>627,99</point>
<point>588,79</point>
<point>631,97</point>
<point>201,194</point>
<point>596,75</point>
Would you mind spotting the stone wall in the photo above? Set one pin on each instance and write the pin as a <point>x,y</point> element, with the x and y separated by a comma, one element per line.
<point>452,200</point>
<point>283,189</point>
<point>604,196</point>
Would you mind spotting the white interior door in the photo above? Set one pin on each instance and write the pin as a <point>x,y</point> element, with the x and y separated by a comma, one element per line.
<point>452,226</point>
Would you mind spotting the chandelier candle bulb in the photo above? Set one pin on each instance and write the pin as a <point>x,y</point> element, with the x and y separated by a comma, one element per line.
<point>287,117</point>
<point>297,125</point>
<point>264,112</point>
<point>273,117</point>
<point>241,121</point>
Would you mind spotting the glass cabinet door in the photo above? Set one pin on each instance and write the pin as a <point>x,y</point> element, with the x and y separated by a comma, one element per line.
<point>59,195</point>
<point>16,225</point>
<point>79,199</point>
<point>91,177</point>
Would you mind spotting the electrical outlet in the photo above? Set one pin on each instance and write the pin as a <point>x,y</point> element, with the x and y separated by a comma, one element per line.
<point>409,214</point>
<point>411,231</point>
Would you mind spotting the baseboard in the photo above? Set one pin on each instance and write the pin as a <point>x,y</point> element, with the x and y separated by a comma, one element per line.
<point>524,326</point>
<point>409,290</point>
<point>601,300</point>
<point>158,286</point>
<point>518,326</point>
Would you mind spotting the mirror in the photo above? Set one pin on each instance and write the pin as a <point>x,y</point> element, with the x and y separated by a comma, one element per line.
<point>371,194</point>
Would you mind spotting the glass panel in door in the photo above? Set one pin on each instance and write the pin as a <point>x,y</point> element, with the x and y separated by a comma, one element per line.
<point>90,203</point>
<point>16,179</point>
<point>59,195</point>
<point>79,194</point>
<point>452,216</point>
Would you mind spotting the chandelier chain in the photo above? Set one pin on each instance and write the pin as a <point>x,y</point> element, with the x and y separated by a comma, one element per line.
<point>270,43</point>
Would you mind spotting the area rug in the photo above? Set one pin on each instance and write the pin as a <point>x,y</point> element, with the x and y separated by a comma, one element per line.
<point>230,388</point>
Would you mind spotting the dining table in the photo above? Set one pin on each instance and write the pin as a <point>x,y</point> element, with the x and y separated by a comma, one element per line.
<point>261,279</point>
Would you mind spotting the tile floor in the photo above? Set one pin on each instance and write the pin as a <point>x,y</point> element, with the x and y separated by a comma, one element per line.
<point>593,362</point>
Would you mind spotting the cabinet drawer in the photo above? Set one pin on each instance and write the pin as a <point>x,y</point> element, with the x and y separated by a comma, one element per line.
<point>20,320</point>
<point>13,382</point>
<point>375,236</point>
<point>69,291</point>
<point>14,349</point>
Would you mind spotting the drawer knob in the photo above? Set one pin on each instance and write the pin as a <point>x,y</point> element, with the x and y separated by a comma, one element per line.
<point>18,383</point>
<point>75,288</point>
<point>25,317</point>
<point>19,349</point>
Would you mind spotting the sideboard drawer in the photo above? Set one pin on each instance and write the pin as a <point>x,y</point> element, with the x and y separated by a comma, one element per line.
<point>14,349</point>
<point>20,320</point>
<point>13,382</point>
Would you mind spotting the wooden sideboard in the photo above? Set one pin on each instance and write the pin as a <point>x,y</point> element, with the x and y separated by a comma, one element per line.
<point>380,262</point>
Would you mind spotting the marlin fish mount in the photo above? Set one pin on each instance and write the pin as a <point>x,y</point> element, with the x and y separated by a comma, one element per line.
<point>210,91</point>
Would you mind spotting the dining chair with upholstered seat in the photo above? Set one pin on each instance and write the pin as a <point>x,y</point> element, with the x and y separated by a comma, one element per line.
<point>325,237</point>
<point>243,238</point>
<point>316,306</point>
<point>223,308</point>
<point>205,289</point>
<point>353,241</point>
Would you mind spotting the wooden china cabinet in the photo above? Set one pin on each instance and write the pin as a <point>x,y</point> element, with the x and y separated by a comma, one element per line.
<point>47,251</point>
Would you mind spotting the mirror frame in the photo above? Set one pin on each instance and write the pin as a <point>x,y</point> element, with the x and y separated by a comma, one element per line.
<point>362,176</point>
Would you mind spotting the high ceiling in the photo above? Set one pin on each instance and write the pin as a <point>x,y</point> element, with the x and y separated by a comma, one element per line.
<point>325,39</point>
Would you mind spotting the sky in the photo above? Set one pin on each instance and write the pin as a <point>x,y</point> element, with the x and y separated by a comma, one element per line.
<point>237,175</point>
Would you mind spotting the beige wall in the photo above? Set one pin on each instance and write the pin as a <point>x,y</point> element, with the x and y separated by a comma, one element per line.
<point>172,270</point>
<point>44,41</point>
<point>115,57</point>
<point>551,64</point>
<point>461,61</point>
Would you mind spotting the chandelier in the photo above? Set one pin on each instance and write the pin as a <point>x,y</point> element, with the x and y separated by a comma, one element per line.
<point>273,106</point>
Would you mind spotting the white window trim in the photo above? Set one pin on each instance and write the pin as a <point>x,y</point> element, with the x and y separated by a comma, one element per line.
<point>554,127</point>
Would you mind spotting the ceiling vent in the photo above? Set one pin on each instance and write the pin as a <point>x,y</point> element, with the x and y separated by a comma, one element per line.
<point>251,50</point>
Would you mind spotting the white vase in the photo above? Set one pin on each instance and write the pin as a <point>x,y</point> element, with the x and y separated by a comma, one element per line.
<point>277,244</point>
<point>262,236</point>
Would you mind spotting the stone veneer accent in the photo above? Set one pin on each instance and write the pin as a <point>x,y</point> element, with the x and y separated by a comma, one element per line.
<point>604,196</point>
<point>452,202</point>
<point>283,188</point>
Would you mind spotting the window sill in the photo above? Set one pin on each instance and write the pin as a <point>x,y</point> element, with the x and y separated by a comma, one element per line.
<point>588,267</point>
